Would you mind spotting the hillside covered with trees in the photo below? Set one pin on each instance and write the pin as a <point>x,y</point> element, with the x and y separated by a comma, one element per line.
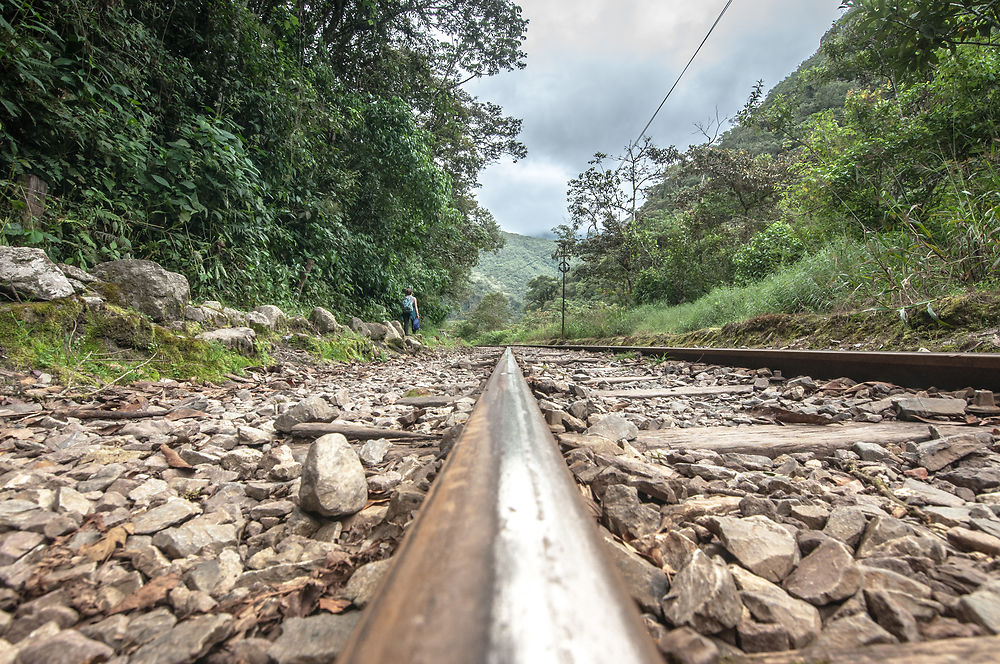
<point>870,178</point>
<point>509,269</point>
<point>322,152</point>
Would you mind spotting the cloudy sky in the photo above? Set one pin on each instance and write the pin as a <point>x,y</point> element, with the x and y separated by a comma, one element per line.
<point>597,69</point>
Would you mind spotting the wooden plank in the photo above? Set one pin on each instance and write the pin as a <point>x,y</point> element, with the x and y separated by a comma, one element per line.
<point>947,651</point>
<point>611,380</point>
<point>353,431</point>
<point>689,391</point>
<point>433,401</point>
<point>771,440</point>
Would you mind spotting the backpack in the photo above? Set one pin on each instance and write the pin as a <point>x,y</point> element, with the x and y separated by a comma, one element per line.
<point>408,304</point>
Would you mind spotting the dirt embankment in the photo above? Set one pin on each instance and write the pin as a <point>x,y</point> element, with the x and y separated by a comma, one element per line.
<point>963,323</point>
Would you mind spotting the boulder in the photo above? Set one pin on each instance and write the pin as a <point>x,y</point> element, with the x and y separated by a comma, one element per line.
<point>169,514</point>
<point>979,480</point>
<point>762,637</point>
<point>393,336</point>
<point>686,646</point>
<point>314,640</point>
<point>324,321</point>
<point>915,408</point>
<point>936,454</point>
<point>768,603</point>
<point>891,615</point>
<point>626,515</point>
<point>915,491</point>
<point>646,583</point>
<point>187,641</point>
<point>826,575</point>
<point>761,545</point>
<point>983,607</point>
<point>239,339</point>
<point>274,315</point>
<point>850,632</point>
<point>28,274</point>
<point>361,587</point>
<point>333,480</point>
<point>311,409</point>
<point>703,596</point>
<point>377,331</point>
<point>258,321</point>
<point>65,647</point>
<point>360,327</point>
<point>147,287</point>
<point>373,451</point>
<point>195,538</point>
<point>614,427</point>
<point>881,529</point>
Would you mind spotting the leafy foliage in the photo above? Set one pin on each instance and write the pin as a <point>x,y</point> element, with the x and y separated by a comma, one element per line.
<point>906,38</point>
<point>768,250</point>
<point>493,313</point>
<point>541,290</point>
<point>886,137</point>
<point>240,143</point>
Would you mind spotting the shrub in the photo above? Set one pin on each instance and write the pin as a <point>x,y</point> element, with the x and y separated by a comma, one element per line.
<point>775,246</point>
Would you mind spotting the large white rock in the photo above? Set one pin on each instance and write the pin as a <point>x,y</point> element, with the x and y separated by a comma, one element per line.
<point>239,339</point>
<point>147,287</point>
<point>28,274</point>
<point>274,315</point>
<point>323,320</point>
<point>333,480</point>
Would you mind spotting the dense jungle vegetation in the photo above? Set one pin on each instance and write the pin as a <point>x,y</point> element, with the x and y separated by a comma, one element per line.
<point>869,178</point>
<point>320,151</point>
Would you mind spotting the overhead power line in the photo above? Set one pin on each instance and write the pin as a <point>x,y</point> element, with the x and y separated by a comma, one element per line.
<point>674,86</point>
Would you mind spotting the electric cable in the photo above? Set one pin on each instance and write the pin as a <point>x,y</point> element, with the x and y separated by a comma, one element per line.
<point>683,71</point>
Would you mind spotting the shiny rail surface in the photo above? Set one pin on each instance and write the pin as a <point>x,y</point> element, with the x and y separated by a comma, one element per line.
<point>948,371</point>
<point>503,564</point>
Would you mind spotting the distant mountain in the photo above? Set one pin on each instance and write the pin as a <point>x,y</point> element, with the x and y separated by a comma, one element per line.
<point>509,270</point>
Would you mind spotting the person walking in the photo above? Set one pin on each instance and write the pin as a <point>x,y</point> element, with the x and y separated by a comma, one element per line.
<point>411,313</point>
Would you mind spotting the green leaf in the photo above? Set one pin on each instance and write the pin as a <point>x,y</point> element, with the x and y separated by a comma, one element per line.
<point>160,180</point>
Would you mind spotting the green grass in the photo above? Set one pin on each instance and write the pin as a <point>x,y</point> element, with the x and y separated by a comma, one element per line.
<point>82,346</point>
<point>347,347</point>
<point>817,283</point>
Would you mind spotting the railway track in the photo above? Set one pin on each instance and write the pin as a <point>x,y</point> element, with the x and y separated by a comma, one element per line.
<point>604,506</point>
<point>747,513</point>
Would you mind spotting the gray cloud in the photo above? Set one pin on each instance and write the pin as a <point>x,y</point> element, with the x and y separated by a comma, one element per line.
<point>597,69</point>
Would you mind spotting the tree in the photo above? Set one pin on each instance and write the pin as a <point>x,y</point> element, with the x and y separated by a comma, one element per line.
<point>604,206</point>
<point>541,290</point>
<point>492,313</point>
<point>239,142</point>
<point>903,38</point>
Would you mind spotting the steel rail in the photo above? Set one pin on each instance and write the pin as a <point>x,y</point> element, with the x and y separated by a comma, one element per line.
<point>949,371</point>
<point>503,564</point>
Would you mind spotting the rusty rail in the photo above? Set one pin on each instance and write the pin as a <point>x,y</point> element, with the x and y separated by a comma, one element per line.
<point>949,371</point>
<point>503,564</point>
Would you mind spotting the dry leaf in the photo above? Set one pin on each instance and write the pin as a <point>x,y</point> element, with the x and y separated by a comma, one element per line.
<point>174,459</point>
<point>135,406</point>
<point>149,595</point>
<point>184,413</point>
<point>102,549</point>
<point>333,605</point>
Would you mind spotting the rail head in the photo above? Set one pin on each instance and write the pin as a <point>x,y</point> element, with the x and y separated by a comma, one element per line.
<point>950,371</point>
<point>503,564</point>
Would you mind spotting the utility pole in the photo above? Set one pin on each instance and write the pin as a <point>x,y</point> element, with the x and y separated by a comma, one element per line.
<point>564,268</point>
